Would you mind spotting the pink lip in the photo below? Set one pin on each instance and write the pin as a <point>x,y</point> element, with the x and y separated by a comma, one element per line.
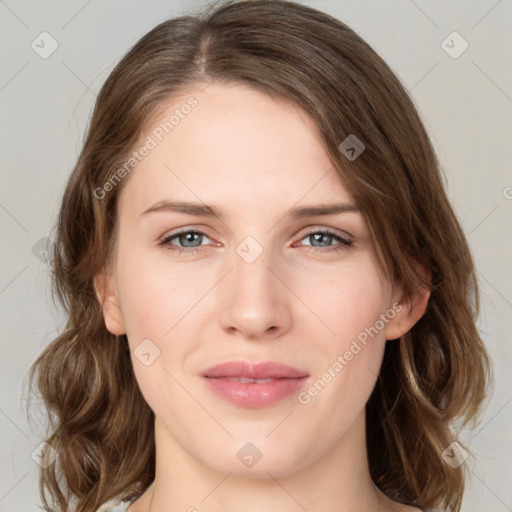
<point>285,381</point>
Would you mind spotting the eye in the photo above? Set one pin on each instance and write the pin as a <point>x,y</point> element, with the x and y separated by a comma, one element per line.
<point>188,240</point>
<point>322,240</point>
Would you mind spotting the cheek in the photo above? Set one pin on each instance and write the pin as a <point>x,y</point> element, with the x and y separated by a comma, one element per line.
<point>161,303</point>
<point>155,296</point>
<point>350,355</point>
<point>348,301</point>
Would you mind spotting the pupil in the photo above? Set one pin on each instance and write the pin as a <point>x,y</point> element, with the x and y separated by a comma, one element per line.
<point>188,237</point>
<point>319,236</point>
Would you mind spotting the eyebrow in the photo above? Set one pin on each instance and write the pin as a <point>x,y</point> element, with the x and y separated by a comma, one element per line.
<point>204,210</point>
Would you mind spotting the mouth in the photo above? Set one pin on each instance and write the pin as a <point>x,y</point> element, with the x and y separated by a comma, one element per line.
<point>246,380</point>
<point>254,385</point>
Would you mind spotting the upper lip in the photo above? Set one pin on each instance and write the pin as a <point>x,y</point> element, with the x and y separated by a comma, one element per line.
<point>263,370</point>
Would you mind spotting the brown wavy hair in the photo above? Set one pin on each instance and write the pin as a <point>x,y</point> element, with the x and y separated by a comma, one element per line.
<point>434,378</point>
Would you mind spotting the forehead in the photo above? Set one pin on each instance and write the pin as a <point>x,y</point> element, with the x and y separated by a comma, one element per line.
<point>236,147</point>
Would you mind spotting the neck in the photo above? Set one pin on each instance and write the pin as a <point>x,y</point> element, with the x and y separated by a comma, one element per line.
<point>339,480</point>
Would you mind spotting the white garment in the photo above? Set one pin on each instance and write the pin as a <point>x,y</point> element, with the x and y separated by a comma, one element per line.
<point>115,505</point>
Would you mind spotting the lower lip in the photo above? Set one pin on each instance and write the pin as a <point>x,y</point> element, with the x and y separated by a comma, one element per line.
<point>254,395</point>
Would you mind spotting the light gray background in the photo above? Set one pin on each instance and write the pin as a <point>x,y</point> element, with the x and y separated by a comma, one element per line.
<point>45,104</point>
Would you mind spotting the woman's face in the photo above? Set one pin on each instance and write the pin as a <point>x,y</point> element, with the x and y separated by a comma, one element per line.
<point>267,280</point>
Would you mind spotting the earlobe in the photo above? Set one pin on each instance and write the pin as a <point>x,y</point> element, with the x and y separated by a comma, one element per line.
<point>413,307</point>
<point>104,286</point>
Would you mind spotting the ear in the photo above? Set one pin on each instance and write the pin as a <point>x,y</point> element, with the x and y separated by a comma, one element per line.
<point>105,288</point>
<point>411,309</point>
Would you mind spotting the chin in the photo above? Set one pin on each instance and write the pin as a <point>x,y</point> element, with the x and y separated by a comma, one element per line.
<point>256,459</point>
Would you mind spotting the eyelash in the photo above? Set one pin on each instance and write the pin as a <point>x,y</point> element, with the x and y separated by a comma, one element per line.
<point>165,242</point>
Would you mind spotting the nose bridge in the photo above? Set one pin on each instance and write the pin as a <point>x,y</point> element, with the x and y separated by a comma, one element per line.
<point>255,299</point>
<point>252,273</point>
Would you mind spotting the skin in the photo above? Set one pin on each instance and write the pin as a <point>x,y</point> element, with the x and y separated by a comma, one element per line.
<point>255,159</point>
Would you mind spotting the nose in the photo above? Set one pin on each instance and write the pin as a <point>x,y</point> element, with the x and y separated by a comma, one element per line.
<point>255,300</point>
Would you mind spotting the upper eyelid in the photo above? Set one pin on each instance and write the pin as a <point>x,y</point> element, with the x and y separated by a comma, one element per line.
<point>334,231</point>
<point>174,234</point>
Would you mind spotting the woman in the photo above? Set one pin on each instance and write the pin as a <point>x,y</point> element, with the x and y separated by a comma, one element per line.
<point>270,301</point>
